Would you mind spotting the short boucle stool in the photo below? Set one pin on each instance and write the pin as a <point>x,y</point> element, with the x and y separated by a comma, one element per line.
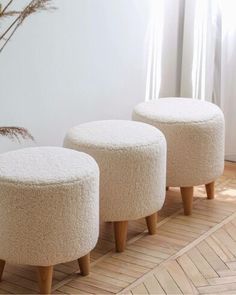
<point>194,132</point>
<point>132,161</point>
<point>49,209</point>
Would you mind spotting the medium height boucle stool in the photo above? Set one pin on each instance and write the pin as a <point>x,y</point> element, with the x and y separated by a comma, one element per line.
<point>132,161</point>
<point>49,211</point>
<point>194,132</point>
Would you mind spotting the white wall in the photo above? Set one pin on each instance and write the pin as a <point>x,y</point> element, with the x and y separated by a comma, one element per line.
<point>85,61</point>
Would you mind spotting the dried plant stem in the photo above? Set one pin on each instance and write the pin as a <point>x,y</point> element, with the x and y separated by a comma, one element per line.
<point>10,27</point>
<point>5,8</point>
<point>15,21</point>
<point>33,7</point>
<point>8,39</point>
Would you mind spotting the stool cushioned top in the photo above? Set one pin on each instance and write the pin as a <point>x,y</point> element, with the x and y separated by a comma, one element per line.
<point>44,166</point>
<point>175,110</point>
<point>114,134</point>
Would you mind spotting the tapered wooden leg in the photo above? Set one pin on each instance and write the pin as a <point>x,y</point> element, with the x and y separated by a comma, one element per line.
<point>210,190</point>
<point>45,279</point>
<point>84,264</point>
<point>187,197</point>
<point>2,265</point>
<point>152,224</point>
<point>120,230</point>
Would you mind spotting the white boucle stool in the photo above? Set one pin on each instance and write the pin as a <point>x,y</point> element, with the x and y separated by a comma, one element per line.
<point>194,132</point>
<point>49,209</point>
<point>132,161</point>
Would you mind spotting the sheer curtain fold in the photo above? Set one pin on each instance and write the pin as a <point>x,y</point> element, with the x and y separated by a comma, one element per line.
<point>200,33</point>
<point>154,40</point>
<point>226,63</point>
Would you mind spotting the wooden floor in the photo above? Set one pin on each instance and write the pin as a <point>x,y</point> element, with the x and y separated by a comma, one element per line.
<point>189,255</point>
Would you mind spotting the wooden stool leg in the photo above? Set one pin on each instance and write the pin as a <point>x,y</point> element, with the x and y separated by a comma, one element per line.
<point>2,265</point>
<point>152,224</point>
<point>210,190</point>
<point>45,279</point>
<point>187,197</point>
<point>120,229</point>
<point>84,264</point>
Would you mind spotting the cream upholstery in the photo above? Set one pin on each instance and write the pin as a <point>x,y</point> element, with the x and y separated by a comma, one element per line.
<point>132,161</point>
<point>194,131</point>
<point>48,205</point>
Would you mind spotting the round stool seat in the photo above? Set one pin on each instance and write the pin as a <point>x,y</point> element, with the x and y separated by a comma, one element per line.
<point>49,211</point>
<point>194,132</point>
<point>132,161</point>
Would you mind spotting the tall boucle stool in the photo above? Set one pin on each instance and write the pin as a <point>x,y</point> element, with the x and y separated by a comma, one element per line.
<point>49,209</point>
<point>132,161</point>
<point>194,132</point>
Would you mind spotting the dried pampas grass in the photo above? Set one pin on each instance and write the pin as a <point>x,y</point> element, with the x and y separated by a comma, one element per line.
<point>33,7</point>
<point>16,20</point>
<point>17,133</point>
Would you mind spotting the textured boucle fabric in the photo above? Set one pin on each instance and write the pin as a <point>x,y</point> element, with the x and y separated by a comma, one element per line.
<point>194,132</point>
<point>132,161</point>
<point>49,205</point>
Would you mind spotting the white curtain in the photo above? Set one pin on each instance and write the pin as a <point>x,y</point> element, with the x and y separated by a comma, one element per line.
<point>154,40</point>
<point>206,63</point>
<point>225,86</point>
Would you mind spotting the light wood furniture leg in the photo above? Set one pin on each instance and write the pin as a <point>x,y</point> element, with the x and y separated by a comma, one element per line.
<point>187,197</point>
<point>84,264</point>
<point>210,190</point>
<point>45,279</point>
<point>152,224</point>
<point>2,265</point>
<point>120,230</point>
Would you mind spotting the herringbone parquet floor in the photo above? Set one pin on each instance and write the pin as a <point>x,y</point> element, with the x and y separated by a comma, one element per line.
<point>207,268</point>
